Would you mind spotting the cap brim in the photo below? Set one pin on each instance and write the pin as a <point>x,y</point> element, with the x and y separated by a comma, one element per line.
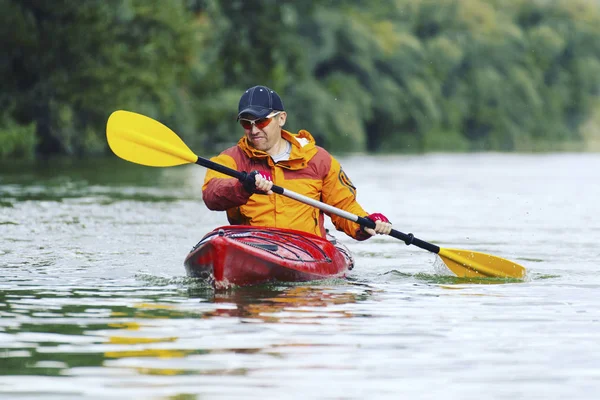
<point>256,111</point>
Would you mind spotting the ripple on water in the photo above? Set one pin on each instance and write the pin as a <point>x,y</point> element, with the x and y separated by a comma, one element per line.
<point>94,301</point>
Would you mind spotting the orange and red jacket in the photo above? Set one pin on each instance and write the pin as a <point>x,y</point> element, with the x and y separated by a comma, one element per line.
<point>310,171</point>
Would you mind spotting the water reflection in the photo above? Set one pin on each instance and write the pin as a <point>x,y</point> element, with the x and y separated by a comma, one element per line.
<point>133,341</point>
<point>97,181</point>
<point>94,302</point>
<point>275,304</point>
<point>58,334</point>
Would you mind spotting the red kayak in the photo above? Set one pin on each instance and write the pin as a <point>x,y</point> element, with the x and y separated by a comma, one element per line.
<point>247,255</point>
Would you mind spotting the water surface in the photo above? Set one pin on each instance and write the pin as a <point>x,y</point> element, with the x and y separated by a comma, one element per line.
<point>94,302</point>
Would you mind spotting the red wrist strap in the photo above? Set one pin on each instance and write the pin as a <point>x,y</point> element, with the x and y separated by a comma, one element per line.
<point>378,217</point>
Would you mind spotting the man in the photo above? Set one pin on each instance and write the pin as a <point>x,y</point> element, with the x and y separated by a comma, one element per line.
<point>273,155</point>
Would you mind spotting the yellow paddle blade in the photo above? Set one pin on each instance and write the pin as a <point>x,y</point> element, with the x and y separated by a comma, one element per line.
<point>142,140</point>
<point>473,264</point>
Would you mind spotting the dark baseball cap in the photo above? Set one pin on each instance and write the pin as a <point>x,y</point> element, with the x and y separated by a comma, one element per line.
<point>259,101</point>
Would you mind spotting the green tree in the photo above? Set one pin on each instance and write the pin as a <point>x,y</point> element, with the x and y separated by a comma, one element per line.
<point>68,64</point>
<point>376,75</point>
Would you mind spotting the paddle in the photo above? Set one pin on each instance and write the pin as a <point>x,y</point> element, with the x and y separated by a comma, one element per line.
<point>142,140</point>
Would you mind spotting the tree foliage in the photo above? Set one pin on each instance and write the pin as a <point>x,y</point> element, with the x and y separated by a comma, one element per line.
<point>68,64</point>
<point>377,75</point>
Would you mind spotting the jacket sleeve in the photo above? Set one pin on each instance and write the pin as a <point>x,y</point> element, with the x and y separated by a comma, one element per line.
<point>221,192</point>
<point>338,191</point>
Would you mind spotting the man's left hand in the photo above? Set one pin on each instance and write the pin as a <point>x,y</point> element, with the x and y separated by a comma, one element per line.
<point>382,225</point>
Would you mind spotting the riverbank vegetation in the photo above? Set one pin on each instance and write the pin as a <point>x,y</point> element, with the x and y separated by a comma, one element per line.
<point>361,75</point>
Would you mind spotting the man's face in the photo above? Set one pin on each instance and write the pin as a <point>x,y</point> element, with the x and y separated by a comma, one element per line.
<point>263,134</point>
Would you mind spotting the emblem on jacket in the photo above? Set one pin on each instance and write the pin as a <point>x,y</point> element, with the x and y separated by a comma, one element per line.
<point>346,181</point>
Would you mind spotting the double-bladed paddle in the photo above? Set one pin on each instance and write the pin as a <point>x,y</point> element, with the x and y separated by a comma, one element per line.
<point>142,140</point>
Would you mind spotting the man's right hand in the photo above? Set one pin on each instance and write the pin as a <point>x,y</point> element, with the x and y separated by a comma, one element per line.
<point>258,182</point>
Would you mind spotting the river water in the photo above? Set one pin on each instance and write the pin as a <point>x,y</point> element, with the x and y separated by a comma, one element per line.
<point>94,302</point>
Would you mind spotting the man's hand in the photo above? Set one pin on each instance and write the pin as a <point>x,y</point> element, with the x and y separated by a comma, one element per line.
<point>258,182</point>
<point>382,225</point>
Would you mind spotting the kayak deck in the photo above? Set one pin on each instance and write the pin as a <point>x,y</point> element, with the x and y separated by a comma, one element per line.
<point>245,255</point>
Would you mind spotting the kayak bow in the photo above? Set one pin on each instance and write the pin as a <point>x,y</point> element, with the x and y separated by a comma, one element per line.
<point>245,255</point>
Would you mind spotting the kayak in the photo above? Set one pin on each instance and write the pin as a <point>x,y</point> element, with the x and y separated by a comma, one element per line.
<point>243,255</point>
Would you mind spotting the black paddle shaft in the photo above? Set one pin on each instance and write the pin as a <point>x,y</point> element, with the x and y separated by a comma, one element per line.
<point>407,238</point>
<point>220,168</point>
<point>366,222</point>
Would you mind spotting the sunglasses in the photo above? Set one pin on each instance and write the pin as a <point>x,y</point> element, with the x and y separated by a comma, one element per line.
<point>259,123</point>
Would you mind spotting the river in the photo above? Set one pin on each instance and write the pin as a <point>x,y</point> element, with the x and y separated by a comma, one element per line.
<point>94,302</point>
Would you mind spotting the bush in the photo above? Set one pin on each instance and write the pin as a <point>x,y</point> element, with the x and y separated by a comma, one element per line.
<point>18,141</point>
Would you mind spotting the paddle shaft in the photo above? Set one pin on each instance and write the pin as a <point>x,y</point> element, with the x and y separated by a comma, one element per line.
<point>406,238</point>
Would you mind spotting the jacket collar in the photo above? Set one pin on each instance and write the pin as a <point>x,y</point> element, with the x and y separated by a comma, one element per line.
<point>303,149</point>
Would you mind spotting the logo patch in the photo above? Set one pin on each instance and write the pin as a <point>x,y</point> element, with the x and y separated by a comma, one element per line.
<point>344,180</point>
